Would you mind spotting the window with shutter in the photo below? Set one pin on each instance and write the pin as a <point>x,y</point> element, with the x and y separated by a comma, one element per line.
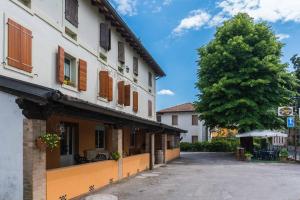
<point>104,84</point>
<point>158,118</point>
<point>71,11</point>
<point>127,95</point>
<point>109,40</point>
<point>60,65</point>
<point>110,89</point>
<point>121,92</point>
<point>135,66</point>
<point>121,52</point>
<point>150,79</point>
<point>194,120</point>
<point>174,119</point>
<point>135,101</point>
<point>194,139</point>
<point>150,108</point>
<point>26,3</point>
<point>105,36</point>
<point>19,46</point>
<point>82,75</point>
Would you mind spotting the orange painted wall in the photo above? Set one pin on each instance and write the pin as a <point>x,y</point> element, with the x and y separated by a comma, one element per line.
<point>172,154</point>
<point>76,180</point>
<point>86,134</point>
<point>135,164</point>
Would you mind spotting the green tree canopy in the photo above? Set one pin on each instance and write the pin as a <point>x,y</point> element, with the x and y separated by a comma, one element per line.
<point>241,78</point>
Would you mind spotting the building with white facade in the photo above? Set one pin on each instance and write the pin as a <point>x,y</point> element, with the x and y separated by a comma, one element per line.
<point>185,117</point>
<point>75,69</point>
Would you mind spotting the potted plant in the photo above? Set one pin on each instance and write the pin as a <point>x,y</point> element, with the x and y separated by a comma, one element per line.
<point>48,140</point>
<point>40,144</point>
<point>248,156</point>
<point>115,156</point>
<point>283,155</point>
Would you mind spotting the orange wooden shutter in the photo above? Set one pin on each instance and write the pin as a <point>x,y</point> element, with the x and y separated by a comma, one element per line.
<point>135,101</point>
<point>82,75</point>
<point>121,92</point>
<point>104,79</point>
<point>127,95</point>
<point>19,46</point>
<point>110,89</point>
<point>26,50</point>
<point>60,65</point>
<point>150,108</point>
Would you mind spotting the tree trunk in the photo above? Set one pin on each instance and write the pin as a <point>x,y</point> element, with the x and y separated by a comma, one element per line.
<point>247,143</point>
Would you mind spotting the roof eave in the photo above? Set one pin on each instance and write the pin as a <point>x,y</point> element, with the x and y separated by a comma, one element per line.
<point>135,42</point>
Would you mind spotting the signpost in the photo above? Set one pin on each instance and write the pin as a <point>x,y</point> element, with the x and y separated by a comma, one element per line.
<point>285,111</point>
<point>290,122</point>
<point>288,112</point>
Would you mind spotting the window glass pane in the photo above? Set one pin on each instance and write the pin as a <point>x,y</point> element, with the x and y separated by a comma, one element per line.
<point>96,139</point>
<point>64,143</point>
<point>73,71</point>
<point>71,130</point>
<point>67,69</point>
<point>100,138</point>
<point>132,138</point>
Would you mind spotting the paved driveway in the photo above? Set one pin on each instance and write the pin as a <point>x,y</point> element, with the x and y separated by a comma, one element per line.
<point>212,176</point>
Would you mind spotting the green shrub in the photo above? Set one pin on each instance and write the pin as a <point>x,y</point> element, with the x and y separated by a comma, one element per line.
<point>216,145</point>
<point>283,153</point>
<point>185,146</point>
<point>115,156</point>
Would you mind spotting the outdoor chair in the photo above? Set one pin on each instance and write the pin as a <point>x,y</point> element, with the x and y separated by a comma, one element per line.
<point>80,159</point>
<point>100,157</point>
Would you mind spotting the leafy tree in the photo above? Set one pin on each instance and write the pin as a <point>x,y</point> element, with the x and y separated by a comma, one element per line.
<point>241,79</point>
<point>296,65</point>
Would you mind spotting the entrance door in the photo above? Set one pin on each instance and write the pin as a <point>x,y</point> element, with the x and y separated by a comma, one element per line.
<point>67,145</point>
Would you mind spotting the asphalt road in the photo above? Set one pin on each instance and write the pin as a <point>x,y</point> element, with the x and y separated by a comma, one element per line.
<point>210,176</point>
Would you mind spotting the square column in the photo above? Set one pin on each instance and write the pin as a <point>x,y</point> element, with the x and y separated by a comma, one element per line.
<point>152,150</point>
<point>117,146</point>
<point>34,161</point>
<point>147,142</point>
<point>164,145</point>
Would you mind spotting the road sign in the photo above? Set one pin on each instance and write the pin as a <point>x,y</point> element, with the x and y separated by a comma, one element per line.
<point>285,111</point>
<point>290,122</point>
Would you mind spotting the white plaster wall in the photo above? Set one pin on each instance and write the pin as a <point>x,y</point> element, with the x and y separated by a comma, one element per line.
<point>185,123</point>
<point>46,21</point>
<point>11,149</point>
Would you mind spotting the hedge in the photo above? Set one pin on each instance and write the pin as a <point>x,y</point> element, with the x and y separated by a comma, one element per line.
<point>216,145</point>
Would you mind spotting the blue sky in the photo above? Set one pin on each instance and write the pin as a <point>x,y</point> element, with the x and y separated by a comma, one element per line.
<point>173,30</point>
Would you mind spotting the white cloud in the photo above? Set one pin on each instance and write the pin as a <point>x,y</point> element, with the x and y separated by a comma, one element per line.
<point>166,92</point>
<point>268,10</point>
<point>217,20</point>
<point>126,7</point>
<point>282,36</point>
<point>167,2</point>
<point>195,20</point>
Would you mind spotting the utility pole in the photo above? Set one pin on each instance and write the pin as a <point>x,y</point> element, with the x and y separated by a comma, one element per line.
<point>296,130</point>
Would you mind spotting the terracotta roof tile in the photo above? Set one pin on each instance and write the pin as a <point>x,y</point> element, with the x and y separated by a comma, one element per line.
<point>187,107</point>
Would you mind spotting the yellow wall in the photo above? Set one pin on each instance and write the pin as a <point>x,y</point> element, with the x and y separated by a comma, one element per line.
<point>223,132</point>
<point>172,154</point>
<point>135,164</point>
<point>76,180</point>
